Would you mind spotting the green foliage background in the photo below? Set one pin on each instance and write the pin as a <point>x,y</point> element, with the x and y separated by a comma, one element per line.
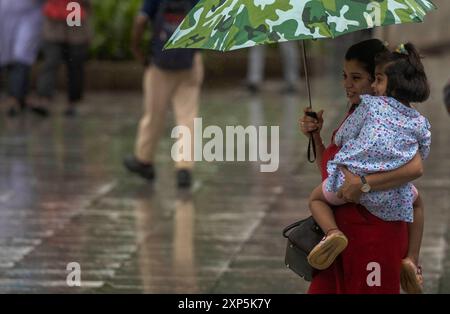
<point>112,22</point>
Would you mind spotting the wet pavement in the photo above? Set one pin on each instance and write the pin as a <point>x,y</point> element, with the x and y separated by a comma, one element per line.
<point>65,197</point>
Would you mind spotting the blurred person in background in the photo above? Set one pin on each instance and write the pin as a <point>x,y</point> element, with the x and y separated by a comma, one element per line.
<point>172,77</point>
<point>256,63</point>
<point>62,42</point>
<point>447,96</point>
<point>20,28</point>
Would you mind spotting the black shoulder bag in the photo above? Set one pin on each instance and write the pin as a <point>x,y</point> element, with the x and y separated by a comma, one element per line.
<point>302,236</point>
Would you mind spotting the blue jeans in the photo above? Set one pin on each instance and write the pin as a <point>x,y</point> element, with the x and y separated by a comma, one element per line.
<point>17,80</point>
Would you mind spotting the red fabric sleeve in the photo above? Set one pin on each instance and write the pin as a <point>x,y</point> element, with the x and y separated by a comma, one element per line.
<point>57,9</point>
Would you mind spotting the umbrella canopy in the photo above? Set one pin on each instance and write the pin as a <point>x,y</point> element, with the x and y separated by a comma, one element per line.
<point>233,24</point>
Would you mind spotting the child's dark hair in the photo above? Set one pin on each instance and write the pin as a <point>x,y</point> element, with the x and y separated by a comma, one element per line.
<point>364,52</point>
<point>407,80</point>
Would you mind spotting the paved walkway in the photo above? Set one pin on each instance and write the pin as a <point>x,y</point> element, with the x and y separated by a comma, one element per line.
<point>64,197</point>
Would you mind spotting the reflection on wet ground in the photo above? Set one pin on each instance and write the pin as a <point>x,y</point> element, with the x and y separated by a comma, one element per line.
<point>64,197</point>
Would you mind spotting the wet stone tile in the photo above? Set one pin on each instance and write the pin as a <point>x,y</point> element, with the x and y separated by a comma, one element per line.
<point>65,197</point>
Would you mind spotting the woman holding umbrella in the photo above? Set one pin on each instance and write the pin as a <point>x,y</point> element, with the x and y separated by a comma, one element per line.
<point>373,240</point>
<point>238,24</point>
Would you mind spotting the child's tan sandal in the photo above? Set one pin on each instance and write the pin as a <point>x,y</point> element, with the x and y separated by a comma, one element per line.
<point>411,279</point>
<point>323,254</point>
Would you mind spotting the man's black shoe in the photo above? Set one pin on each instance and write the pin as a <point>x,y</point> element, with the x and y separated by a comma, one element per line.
<point>40,111</point>
<point>253,88</point>
<point>144,170</point>
<point>70,112</point>
<point>184,178</point>
<point>13,112</point>
<point>289,89</point>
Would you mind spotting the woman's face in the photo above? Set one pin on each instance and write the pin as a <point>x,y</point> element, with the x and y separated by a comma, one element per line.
<point>357,81</point>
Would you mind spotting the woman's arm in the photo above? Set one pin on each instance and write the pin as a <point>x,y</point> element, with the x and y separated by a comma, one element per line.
<point>319,150</point>
<point>351,189</point>
<point>395,178</point>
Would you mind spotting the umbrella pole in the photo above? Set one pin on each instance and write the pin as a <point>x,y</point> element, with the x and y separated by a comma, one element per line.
<point>311,143</point>
<point>305,67</point>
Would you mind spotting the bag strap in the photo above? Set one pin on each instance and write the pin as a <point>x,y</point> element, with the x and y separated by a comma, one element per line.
<point>313,144</point>
<point>291,226</point>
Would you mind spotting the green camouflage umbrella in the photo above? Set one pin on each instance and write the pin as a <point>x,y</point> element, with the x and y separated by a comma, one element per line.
<point>233,24</point>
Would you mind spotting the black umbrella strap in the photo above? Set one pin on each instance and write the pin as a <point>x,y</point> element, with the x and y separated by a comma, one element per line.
<point>313,144</point>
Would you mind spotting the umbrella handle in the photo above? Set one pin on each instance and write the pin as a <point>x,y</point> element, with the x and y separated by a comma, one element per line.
<point>305,67</point>
<point>311,143</point>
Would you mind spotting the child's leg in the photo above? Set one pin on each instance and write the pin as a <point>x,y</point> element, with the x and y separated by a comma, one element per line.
<point>321,211</point>
<point>415,231</point>
<point>411,279</point>
<point>334,242</point>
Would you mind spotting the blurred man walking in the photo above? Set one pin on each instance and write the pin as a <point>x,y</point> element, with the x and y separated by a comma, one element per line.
<point>171,77</point>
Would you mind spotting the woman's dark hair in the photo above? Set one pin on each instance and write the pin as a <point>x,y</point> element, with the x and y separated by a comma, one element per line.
<point>364,52</point>
<point>407,80</point>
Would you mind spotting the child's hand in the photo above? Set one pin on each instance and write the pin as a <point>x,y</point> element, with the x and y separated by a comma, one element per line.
<point>310,125</point>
